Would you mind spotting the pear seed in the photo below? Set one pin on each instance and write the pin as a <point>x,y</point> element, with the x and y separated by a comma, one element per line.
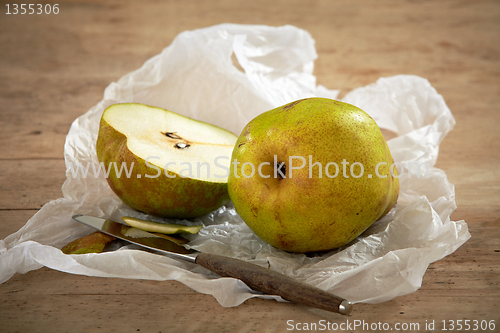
<point>172,135</point>
<point>181,145</point>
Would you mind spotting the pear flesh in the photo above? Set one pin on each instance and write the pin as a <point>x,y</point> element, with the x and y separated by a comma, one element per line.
<point>313,208</point>
<point>162,228</point>
<point>177,166</point>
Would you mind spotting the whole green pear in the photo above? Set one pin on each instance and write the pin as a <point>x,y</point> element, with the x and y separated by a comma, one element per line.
<point>312,175</point>
<point>177,166</point>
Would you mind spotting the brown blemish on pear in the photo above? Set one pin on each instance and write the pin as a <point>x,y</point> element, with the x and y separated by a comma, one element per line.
<point>255,211</point>
<point>291,105</point>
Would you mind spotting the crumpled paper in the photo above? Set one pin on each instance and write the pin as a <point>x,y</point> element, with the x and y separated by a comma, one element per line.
<point>226,75</point>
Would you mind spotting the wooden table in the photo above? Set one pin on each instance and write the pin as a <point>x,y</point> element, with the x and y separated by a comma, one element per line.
<point>53,68</point>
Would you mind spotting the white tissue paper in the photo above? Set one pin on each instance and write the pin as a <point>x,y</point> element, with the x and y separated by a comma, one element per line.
<point>226,75</point>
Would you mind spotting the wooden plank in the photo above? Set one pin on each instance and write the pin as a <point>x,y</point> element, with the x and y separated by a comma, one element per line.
<point>54,68</point>
<point>63,313</point>
<point>36,127</point>
<point>34,301</point>
<point>453,281</point>
<point>31,183</point>
<point>52,71</point>
<point>12,220</point>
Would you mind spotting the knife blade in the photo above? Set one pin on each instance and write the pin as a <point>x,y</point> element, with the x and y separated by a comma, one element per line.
<point>254,276</point>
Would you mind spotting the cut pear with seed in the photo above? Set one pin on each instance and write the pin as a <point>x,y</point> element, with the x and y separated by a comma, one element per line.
<point>171,165</point>
<point>162,228</point>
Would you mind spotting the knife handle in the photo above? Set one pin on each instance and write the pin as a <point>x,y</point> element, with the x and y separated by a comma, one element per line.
<point>273,283</point>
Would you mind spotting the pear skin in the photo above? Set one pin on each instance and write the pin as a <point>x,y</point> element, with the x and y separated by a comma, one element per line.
<point>303,175</point>
<point>93,243</point>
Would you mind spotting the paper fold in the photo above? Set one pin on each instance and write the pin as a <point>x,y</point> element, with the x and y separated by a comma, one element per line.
<point>226,75</point>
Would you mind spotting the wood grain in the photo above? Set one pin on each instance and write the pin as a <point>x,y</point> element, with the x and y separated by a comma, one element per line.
<point>54,68</point>
<point>30,183</point>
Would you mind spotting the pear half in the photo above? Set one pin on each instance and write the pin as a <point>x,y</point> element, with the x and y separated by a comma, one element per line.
<point>171,165</point>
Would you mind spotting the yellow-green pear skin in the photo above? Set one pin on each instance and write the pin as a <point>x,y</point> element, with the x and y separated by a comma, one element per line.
<point>300,209</point>
<point>148,138</point>
<point>93,243</point>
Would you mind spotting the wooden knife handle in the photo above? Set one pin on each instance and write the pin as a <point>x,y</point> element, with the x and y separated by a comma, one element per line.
<point>273,283</point>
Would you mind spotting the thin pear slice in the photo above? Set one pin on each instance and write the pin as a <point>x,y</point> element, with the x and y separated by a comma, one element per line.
<point>173,238</point>
<point>93,243</point>
<point>134,232</point>
<point>162,228</point>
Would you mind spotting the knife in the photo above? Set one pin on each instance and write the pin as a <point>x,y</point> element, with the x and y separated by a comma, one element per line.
<point>254,276</point>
